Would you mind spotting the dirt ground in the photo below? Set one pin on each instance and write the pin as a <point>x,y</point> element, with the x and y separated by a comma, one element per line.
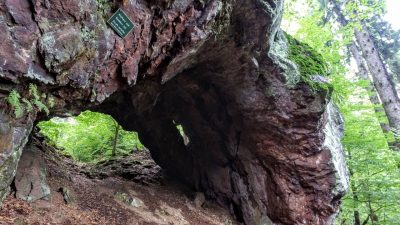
<point>127,191</point>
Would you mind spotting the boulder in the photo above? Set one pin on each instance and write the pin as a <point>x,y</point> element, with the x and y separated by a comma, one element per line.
<point>67,195</point>
<point>30,180</point>
<point>12,141</point>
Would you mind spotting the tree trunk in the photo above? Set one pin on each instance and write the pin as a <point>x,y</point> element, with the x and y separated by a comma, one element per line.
<point>372,94</point>
<point>115,141</point>
<point>396,67</point>
<point>381,79</point>
<point>371,213</point>
<point>380,76</point>
<point>356,212</point>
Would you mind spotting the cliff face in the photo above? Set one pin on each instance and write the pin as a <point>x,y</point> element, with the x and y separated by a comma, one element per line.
<point>261,142</point>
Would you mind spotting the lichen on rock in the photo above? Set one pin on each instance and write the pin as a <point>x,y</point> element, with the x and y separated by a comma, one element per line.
<point>12,142</point>
<point>333,130</point>
<point>61,48</point>
<point>30,180</point>
<point>280,53</point>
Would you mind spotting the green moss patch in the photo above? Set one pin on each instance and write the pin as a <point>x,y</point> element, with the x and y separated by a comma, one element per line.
<point>310,63</point>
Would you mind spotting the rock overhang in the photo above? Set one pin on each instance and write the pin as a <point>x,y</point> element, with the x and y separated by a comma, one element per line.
<point>258,145</point>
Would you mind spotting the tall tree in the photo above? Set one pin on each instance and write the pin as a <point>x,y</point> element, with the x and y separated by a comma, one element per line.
<point>115,140</point>
<point>394,64</point>
<point>380,76</point>
<point>387,41</point>
<point>363,74</point>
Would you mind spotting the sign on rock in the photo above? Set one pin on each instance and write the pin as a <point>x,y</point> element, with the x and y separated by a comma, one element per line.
<point>121,23</point>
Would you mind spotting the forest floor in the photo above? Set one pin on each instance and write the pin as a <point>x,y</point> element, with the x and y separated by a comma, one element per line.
<point>126,191</point>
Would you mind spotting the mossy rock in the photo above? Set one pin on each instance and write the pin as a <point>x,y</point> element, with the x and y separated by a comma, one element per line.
<point>311,64</point>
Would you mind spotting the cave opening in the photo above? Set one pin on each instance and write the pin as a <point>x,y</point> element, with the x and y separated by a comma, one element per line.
<point>192,129</point>
<point>185,130</point>
<point>149,126</point>
<point>95,139</point>
<point>189,126</point>
<point>248,143</point>
<point>261,148</point>
<point>89,137</point>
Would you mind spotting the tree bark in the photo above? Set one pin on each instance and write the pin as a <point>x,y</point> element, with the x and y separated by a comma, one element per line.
<point>115,141</point>
<point>356,212</point>
<point>372,94</point>
<point>381,79</point>
<point>380,76</point>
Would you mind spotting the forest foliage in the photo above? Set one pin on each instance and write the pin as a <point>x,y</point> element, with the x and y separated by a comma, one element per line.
<point>374,195</point>
<point>89,137</point>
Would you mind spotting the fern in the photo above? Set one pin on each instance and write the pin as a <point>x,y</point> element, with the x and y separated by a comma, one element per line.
<point>41,107</point>
<point>22,105</point>
<point>51,102</point>
<point>14,100</point>
<point>33,91</point>
<point>28,105</point>
<point>19,111</point>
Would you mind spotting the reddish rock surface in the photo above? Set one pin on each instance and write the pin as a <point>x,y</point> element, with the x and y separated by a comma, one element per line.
<point>257,144</point>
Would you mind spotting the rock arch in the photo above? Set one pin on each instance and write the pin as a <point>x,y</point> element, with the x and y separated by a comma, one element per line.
<point>261,143</point>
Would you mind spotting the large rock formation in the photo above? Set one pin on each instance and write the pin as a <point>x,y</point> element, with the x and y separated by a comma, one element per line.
<point>261,142</point>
